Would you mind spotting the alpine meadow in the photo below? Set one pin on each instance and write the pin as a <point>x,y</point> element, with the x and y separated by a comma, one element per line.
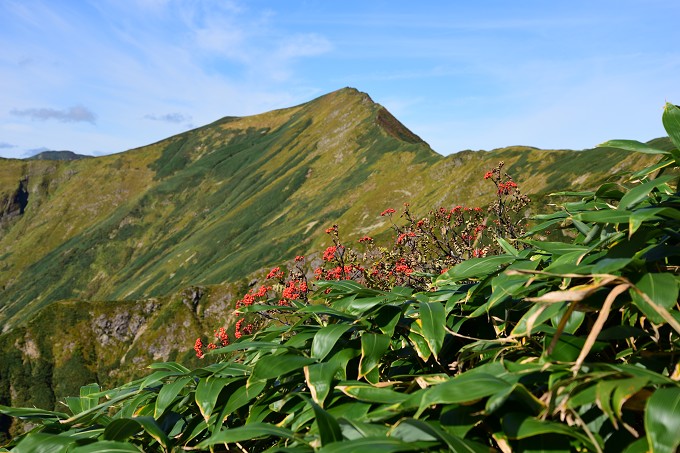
<point>317,278</point>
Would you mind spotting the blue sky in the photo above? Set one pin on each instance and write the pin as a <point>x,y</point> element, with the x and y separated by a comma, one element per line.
<point>104,76</point>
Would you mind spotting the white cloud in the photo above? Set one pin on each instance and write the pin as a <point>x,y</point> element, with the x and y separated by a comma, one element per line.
<point>169,117</point>
<point>75,114</point>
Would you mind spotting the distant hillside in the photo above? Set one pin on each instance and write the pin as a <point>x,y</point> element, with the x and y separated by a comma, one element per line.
<point>206,209</point>
<point>58,155</point>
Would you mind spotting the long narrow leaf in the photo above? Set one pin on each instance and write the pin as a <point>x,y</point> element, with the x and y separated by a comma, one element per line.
<point>246,432</point>
<point>433,323</point>
<point>662,420</point>
<point>373,347</point>
<point>326,338</point>
<point>168,393</point>
<point>632,145</point>
<point>671,122</point>
<point>278,365</point>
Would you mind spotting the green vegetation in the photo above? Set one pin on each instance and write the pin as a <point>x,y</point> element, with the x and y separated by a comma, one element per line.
<point>560,345</point>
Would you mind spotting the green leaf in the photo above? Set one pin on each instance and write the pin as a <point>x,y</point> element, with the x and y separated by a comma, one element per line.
<point>661,288</point>
<point>610,190</point>
<point>371,444</point>
<point>567,348</point>
<point>97,411</point>
<point>671,122</point>
<point>243,395</point>
<point>75,405</point>
<point>329,429</point>
<point>632,145</point>
<point>340,359</point>
<point>373,348</point>
<point>418,341</point>
<point>507,247</point>
<point>502,287</point>
<point>411,430</point>
<point>324,310</point>
<point>243,345</point>
<point>387,318</point>
<point>226,369</point>
<point>129,409</point>
<point>121,429</point>
<point>521,426</point>
<point>433,323</point>
<point>43,443</point>
<point>171,366</point>
<point>28,413</point>
<point>624,391</point>
<point>609,265</point>
<point>662,420</point>
<point>326,338</point>
<point>246,432</point>
<point>544,226</point>
<point>158,376</point>
<point>475,268</point>
<point>556,248</point>
<point>168,393</point>
<point>535,316</point>
<point>651,169</point>
<point>361,305</point>
<point>519,395</point>
<point>353,429</point>
<point>89,395</point>
<point>465,388</point>
<point>345,287</point>
<point>319,377</point>
<point>207,392</point>
<point>641,216</point>
<point>106,446</point>
<point>638,194</point>
<point>154,430</point>
<point>273,366</point>
<point>458,420</point>
<point>604,216</point>
<point>639,446</point>
<point>371,394</point>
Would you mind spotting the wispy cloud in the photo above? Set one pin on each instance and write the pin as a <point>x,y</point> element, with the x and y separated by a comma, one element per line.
<point>33,151</point>
<point>169,118</point>
<point>75,114</point>
<point>4,145</point>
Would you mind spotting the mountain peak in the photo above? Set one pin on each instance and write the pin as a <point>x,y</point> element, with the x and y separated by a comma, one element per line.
<point>58,155</point>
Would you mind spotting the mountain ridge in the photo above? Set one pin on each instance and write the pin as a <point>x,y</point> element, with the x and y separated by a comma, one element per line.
<point>58,155</point>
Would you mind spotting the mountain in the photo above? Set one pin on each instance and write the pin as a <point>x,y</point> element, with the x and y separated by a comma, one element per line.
<point>58,155</point>
<point>109,262</point>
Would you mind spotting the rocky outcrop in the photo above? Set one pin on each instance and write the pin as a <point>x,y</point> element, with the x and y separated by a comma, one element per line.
<point>14,204</point>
